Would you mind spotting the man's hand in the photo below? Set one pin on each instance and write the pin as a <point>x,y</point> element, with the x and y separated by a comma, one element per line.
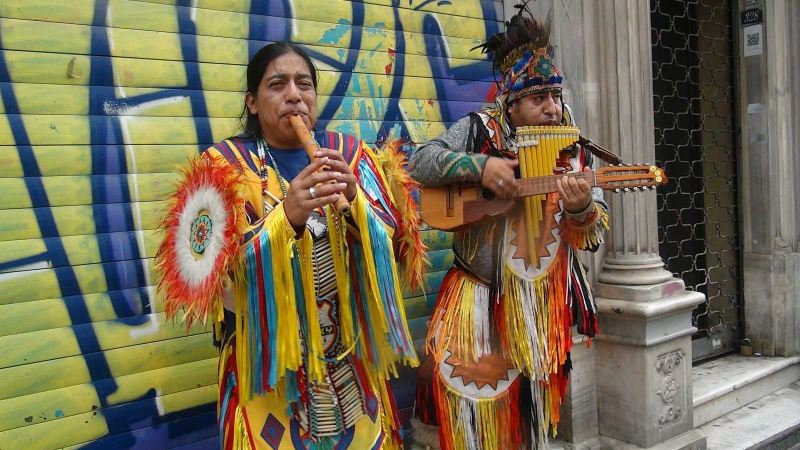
<point>498,176</point>
<point>337,163</point>
<point>575,194</point>
<point>310,189</point>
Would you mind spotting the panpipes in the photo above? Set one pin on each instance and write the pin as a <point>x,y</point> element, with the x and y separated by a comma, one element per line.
<point>538,150</point>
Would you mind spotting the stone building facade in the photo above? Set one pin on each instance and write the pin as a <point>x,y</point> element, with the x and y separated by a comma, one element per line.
<point>634,387</point>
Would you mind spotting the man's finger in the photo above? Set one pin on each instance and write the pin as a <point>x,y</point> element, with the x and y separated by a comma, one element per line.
<point>338,165</point>
<point>559,188</point>
<point>328,153</point>
<point>322,178</point>
<point>326,189</point>
<point>314,166</point>
<point>324,200</point>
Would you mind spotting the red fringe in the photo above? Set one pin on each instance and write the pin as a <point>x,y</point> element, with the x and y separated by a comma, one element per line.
<point>229,421</point>
<point>423,409</point>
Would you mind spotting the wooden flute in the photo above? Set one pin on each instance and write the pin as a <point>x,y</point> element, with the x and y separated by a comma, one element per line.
<point>341,204</point>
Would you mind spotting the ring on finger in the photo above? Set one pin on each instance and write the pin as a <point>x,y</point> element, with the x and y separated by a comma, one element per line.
<point>313,192</point>
<point>500,182</point>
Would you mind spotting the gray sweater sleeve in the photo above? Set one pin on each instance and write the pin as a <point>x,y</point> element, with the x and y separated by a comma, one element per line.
<point>445,160</point>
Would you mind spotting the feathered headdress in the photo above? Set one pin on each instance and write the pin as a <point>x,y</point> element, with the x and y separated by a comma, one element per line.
<point>523,55</point>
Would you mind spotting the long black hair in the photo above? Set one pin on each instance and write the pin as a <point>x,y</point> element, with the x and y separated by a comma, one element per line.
<point>255,72</point>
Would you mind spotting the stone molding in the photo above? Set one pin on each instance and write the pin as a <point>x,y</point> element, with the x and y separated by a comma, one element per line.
<point>670,388</point>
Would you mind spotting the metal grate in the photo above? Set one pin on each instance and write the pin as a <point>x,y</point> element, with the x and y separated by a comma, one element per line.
<point>693,95</point>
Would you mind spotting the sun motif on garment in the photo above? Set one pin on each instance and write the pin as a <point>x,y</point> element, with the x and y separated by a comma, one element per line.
<point>548,227</point>
<point>489,370</point>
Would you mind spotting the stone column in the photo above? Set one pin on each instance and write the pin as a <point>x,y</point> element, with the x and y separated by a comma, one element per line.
<point>769,183</point>
<point>643,353</point>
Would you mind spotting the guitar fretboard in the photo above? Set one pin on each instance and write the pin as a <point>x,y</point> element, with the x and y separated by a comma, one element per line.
<point>547,183</point>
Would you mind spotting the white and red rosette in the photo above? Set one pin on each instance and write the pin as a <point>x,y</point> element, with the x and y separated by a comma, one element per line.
<point>201,240</point>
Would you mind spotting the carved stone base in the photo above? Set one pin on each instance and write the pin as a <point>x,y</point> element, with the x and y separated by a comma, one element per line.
<point>643,359</point>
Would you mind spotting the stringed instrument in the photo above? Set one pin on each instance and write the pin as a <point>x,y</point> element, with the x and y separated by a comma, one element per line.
<point>451,207</point>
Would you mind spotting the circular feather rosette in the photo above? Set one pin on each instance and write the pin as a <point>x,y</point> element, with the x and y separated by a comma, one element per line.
<point>200,239</point>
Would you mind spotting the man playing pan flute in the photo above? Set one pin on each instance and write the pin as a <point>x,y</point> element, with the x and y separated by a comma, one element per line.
<point>499,340</point>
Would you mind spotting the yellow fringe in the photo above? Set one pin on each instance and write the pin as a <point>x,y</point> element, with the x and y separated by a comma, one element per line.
<point>453,321</point>
<point>337,235</point>
<point>315,367</point>
<point>289,354</point>
<point>225,353</point>
<point>535,354</point>
<point>288,345</point>
<point>494,421</point>
<point>241,441</point>
<point>586,235</point>
<point>386,358</point>
<point>413,251</point>
<point>542,352</point>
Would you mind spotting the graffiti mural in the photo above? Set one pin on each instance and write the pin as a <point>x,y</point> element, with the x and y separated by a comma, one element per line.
<point>101,102</point>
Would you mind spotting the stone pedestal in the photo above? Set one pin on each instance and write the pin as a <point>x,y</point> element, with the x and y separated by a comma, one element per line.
<point>644,361</point>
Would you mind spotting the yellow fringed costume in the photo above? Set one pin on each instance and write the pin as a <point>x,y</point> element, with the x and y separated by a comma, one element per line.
<point>313,324</point>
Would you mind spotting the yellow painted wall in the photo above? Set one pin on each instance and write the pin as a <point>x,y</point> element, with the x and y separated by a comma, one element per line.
<point>101,102</point>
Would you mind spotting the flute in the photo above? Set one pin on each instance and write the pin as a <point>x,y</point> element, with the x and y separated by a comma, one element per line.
<point>342,205</point>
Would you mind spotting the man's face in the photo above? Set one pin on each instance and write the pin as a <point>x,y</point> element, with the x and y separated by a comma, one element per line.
<point>543,108</point>
<point>286,89</point>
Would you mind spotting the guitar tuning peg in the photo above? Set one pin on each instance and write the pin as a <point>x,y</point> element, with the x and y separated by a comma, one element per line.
<point>626,189</point>
<point>652,188</point>
<point>636,188</point>
<point>616,190</point>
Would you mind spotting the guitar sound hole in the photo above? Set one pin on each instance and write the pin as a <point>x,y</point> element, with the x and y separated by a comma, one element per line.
<point>486,194</point>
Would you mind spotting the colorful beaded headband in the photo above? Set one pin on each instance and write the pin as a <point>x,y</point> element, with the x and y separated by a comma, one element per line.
<point>533,72</point>
<point>523,55</point>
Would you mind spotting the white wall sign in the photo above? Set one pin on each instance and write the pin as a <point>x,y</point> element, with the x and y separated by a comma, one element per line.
<point>753,40</point>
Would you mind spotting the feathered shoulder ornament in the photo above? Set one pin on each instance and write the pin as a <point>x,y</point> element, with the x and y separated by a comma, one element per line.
<point>201,240</point>
<point>412,251</point>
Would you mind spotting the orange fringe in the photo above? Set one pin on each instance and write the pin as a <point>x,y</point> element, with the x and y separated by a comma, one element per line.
<point>586,235</point>
<point>413,256</point>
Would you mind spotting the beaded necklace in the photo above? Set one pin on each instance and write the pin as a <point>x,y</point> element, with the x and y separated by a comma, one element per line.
<point>262,156</point>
